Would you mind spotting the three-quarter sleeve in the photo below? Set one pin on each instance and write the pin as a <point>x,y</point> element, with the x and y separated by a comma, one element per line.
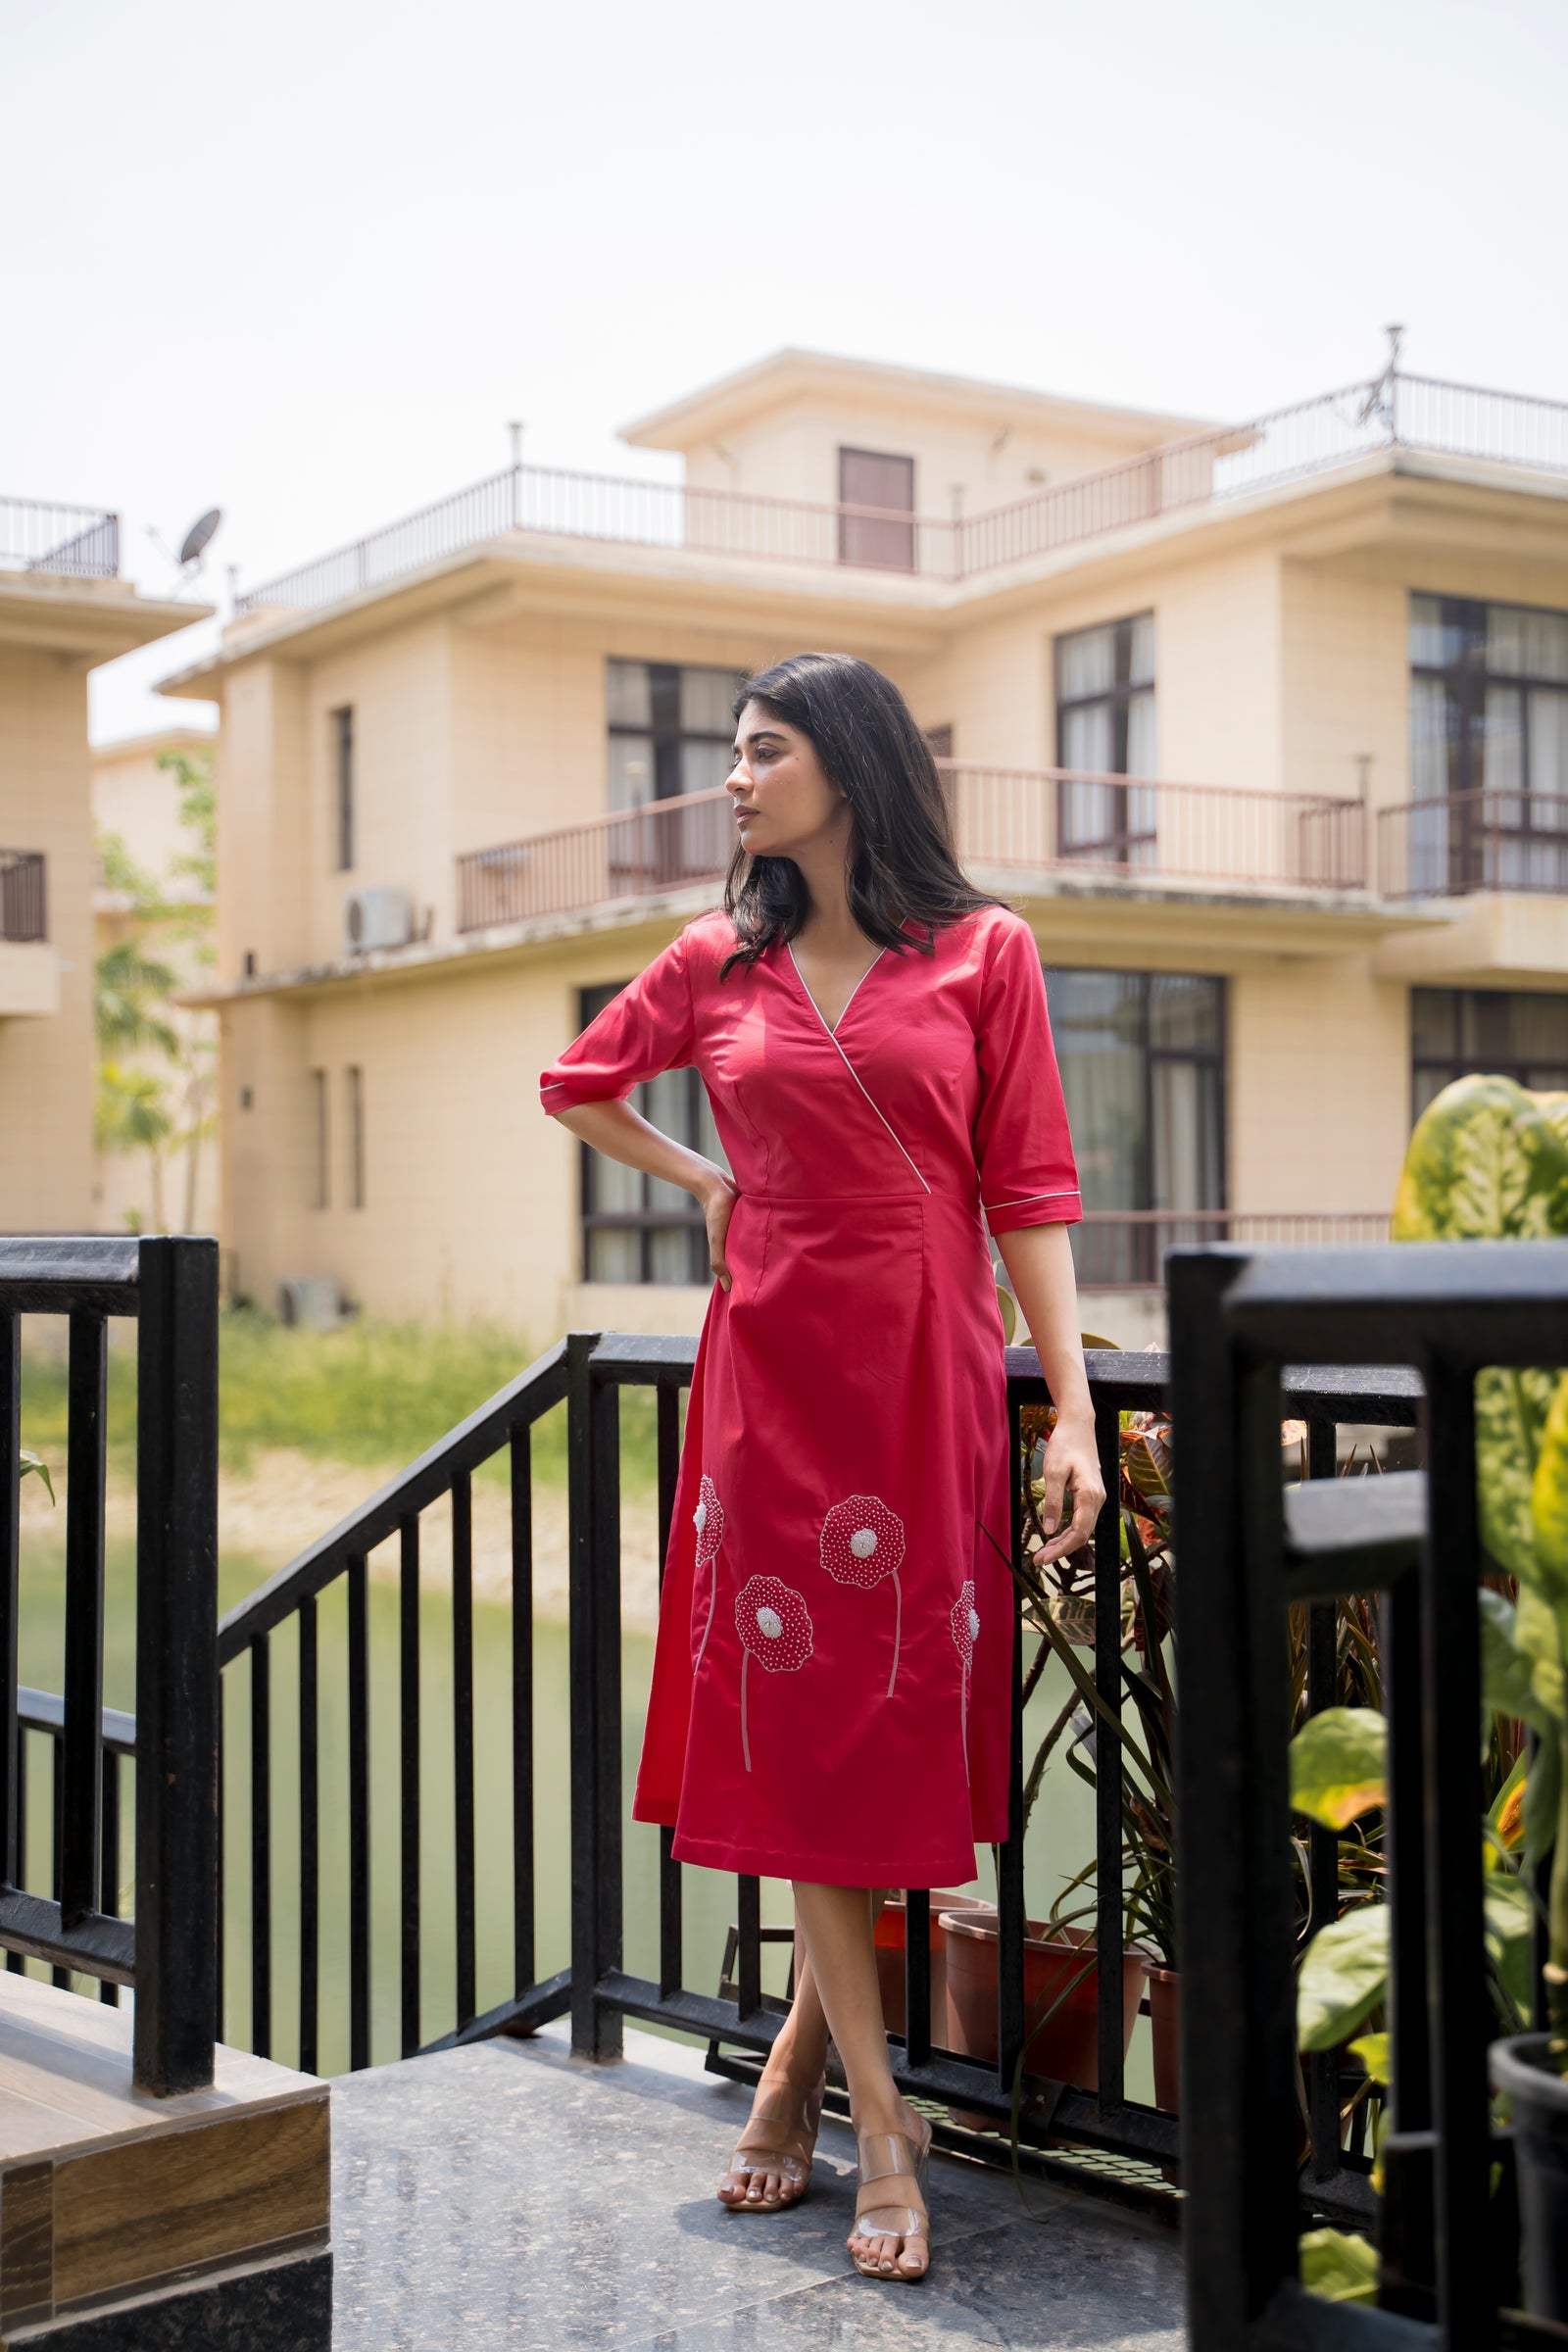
<point>1022,1148</point>
<point>648,1028</point>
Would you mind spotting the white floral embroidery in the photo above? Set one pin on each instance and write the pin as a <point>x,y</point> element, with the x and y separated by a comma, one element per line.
<point>965,1621</point>
<point>775,1629</point>
<point>709,1521</point>
<point>861,1544</point>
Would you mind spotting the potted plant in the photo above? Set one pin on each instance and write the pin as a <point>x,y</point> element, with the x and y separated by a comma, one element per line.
<point>1489,1160</point>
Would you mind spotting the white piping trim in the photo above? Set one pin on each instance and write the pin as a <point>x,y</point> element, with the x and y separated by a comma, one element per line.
<point>1069,1193</point>
<point>832,1039</point>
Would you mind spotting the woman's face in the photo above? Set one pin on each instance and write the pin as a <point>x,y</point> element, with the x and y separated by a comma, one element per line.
<point>783,802</point>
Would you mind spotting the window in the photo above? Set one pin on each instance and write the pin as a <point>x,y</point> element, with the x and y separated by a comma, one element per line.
<point>636,1228</point>
<point>1142,1060</point>
<point>321,1142</point>
<point>1106,727</point>
<point>343,786</point>
<point>1488,715</point>
<point>869,478</point>
<point>672,732</point>
<point>1460,1032</point>
<point>355,1108</point>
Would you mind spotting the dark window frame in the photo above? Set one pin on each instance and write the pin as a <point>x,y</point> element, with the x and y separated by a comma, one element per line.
<point>355,1077</point>
<point>1525,1069</point>
<point>1142,1245</point>
<point>322,1152</point>
<point>664,731</point>
<point>343,785</point>
<point>645,1222</point>
<point>1119,839</point>
<point>1471,837</point>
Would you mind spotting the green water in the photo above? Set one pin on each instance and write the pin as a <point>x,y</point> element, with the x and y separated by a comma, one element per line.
<point>1061,1833</point>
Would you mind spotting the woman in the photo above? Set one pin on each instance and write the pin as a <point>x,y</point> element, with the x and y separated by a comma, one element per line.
<point>831,1686</point>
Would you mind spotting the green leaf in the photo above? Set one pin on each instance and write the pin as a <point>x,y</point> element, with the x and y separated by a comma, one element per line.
<point>1373,2050</point>
<point>1339,1765</point>
<point>1009,1313</point>
<point>1512,1408</point>
<point>1344,1977</point>
<point>36,1465</point>
<point>1511,1913</point>
<point>1548,1498</point>
<point>1488,1161</point>
<point>1543,1796</point>
<point>1340,2267</point>
<point>1506,1671</point>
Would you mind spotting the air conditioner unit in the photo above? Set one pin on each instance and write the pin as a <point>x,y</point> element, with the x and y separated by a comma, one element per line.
<point>376,918</point>
<point>309,1303</point>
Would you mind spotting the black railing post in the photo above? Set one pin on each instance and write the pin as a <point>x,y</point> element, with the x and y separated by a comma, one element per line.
<point>1234,1893</point>
<point>1461,2012</point>
<point>81,1791</point>
<point>177,1664</point>
<point>1108,1934</point>
<point>594,1645</point>
<point>10,1572</point>
<point>1323,1843</point>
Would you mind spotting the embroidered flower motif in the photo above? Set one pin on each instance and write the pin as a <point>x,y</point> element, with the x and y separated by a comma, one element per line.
<point>709,1521</point>
<point>775,1629</point>
<point>862,1541</point>
<point>964,1620</point>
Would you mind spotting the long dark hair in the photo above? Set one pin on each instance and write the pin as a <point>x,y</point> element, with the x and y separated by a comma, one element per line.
<point>903,863</point>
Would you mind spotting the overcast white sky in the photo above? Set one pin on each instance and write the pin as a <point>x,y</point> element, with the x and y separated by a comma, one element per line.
<point>304,260</point>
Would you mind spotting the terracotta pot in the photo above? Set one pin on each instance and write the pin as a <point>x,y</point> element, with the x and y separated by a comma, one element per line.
<point>1165,2031</point>
<point>891,1944</point>
<point>1066,2044</point>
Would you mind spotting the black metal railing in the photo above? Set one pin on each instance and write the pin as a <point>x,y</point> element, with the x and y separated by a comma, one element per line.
<point>167,1950</point>
<point>41,535</point>
<point>1247,1555</point>
<point>1514,842</point>
<point>24,908</point>
<point>274,1664</point>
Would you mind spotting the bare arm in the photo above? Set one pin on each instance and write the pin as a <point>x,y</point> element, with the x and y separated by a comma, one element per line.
<point>623,1133</point>
<point>1038,1263</point>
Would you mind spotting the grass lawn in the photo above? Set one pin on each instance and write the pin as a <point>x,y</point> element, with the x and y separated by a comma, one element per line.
<point>376,1394</point>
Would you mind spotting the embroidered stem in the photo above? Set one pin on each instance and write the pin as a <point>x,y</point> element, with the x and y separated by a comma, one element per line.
<point>898,1629</point>
<point>712,1597</point>
<point>745,1746</point>
<point>964,1722</point>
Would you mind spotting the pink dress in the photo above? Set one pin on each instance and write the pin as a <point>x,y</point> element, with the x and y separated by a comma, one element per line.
<point>830,1694</point>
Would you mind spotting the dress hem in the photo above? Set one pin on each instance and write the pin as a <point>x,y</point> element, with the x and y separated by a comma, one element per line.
<point>955,1868</point>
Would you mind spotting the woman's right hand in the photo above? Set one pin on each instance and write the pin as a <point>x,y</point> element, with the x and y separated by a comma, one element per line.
<point>717,1199</point>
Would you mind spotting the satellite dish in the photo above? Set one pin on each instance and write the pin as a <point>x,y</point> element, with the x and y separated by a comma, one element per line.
<point>200,532</point>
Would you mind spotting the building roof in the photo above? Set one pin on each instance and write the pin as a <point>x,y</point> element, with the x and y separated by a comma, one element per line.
<point>791,373</point>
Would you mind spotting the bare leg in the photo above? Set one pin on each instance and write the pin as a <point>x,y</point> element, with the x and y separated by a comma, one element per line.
<point>838,1924</point>
<point>793,2070</point>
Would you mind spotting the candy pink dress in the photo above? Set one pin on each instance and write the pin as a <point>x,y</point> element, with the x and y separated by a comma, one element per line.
<point>830,1696</point>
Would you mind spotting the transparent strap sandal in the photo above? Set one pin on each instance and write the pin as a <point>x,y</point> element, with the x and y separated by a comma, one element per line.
<point>780,2144</point>
<point>891,2202</point>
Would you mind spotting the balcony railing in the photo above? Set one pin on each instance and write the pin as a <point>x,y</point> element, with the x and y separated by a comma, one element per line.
<point>1313,436</point>
<point>81,542</point>
<point>1119,829</point>
<point>24,908</point>
<point>1469,841</point>
<point>1126,1248</point>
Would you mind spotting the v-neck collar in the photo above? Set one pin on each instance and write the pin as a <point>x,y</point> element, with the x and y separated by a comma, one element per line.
<point>849,1000</point>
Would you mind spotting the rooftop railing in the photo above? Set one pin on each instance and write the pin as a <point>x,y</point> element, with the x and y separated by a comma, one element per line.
<point>79,542</point>
<point>1108,830</point>
<point>23,902</point>
<point>1393,410</point>
<point>1468,841</point>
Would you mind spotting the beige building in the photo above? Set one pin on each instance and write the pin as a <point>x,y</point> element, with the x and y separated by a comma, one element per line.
<point>136,801</point>
<point>1263,726</point>
<point>63,610</point>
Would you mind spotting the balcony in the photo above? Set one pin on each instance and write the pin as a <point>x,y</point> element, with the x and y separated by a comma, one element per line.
<point>1509,842</point>
<point>24,913</point>
<point>1336,429</point>
<point>77,543</point>
<point>1102,830</point>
